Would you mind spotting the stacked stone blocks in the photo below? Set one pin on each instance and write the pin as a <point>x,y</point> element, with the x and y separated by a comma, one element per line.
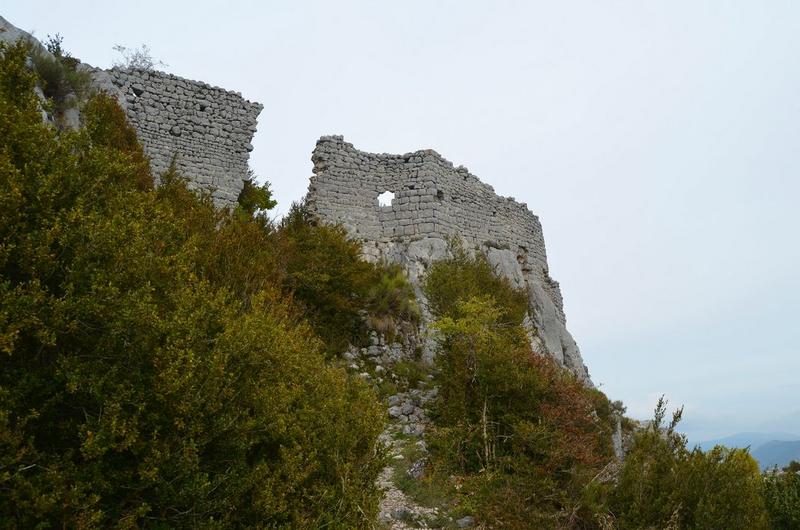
<point>433,199</point>
<point>206,130</point>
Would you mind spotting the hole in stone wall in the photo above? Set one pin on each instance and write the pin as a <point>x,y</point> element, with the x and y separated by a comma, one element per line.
<point>439,194</point>
<point>386,198</point>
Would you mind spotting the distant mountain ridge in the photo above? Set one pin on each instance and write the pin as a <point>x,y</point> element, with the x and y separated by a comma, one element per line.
<point>768,448</point>
<point>777,453</point>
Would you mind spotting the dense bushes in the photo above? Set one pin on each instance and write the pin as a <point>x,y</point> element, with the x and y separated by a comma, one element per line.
<point>529,445</point>
<point>463,276</point>
<point>664,485</point>
<point>61,81</point>
<point>524,435</point>
<point>154,372</point>
<point>343,296</point>
<point>325,272</point>
<point>782,496</point>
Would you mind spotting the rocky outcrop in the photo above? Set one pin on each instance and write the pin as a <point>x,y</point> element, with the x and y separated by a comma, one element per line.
<point>434,201</point>
<point>10,33</point>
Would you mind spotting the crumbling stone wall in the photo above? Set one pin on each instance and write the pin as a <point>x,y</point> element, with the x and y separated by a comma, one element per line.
<point>207,129</point>
<point>434,201</point>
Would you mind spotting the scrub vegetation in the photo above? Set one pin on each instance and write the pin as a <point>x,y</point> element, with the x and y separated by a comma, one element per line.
<point>168,364</point>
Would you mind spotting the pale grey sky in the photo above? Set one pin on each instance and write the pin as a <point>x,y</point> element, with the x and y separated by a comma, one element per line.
<point>659,142</point>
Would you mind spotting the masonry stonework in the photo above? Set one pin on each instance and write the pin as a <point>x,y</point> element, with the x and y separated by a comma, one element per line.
<point>207,132</point>
<point>434,201</point>
<point>205,129</point>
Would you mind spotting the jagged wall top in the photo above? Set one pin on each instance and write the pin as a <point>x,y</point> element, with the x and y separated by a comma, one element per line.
<point>433,199</point>
<point>206,129</point>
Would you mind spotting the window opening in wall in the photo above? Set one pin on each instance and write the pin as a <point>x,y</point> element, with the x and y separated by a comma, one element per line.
<point>439,194</point>
<point>386,198</point>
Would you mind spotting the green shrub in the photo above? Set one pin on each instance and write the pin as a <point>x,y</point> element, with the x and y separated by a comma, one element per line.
<point>782,497</point>
<point>524,436</point>
<point>105,124</point>
<point>59,75</point>
<point>255,199</point>
<point>452,281</point>
<point>663,484</point>
<point>391,303</point>
<point>325,273</point>
<point>146,381</point>
<point>524,432</point>
<point>341,293</point>
<point>721,488</point>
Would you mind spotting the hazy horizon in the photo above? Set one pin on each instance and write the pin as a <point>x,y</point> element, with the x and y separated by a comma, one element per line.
<point>658,143</point>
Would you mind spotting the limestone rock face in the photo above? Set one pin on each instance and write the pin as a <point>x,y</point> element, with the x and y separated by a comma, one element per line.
<point>10,33</point>
<point>433,202</point>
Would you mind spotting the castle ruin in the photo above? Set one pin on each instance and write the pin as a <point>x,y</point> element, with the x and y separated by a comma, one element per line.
<point>434,201</point>
<point>207,132</point>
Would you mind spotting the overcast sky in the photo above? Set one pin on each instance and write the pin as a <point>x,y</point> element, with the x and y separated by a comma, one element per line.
<point>659,142</point>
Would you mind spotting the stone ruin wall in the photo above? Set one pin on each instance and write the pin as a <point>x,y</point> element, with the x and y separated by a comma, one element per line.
<point>206,129</point>
<point>434,201</point>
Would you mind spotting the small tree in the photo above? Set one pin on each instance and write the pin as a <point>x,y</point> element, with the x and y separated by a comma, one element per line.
<point>254,199</point>
<point>137,58</point>
<point>61,81</point>
<point>527,437</point>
